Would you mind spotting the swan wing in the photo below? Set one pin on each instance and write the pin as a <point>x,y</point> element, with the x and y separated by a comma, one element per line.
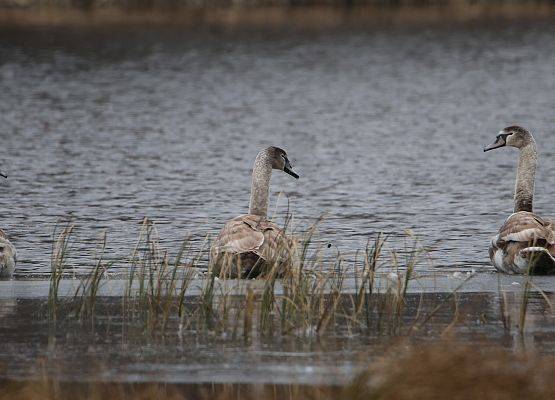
<point>253,233</point>
<point>525,242</point>
<point>240,235</point>
<point>277,245</point>
<point>527,227</point>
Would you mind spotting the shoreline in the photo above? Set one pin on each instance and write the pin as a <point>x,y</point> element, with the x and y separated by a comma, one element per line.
<point>271,17</point>
<point>439,283</point>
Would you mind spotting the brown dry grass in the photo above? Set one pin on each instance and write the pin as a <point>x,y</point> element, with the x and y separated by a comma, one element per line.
<point>451,371</point>
<point>52,390</point>
<point>438,371</point>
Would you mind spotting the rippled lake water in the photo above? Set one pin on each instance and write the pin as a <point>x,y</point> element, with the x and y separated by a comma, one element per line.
<point>385,127</point>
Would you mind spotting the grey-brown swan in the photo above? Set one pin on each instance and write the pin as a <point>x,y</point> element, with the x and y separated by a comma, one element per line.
<point>8,254</point>
<point>250,245</point>
<point>525,243</point>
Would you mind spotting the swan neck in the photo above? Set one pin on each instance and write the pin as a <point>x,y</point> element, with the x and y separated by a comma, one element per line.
<point>260,187</point>
<point>525,177</point>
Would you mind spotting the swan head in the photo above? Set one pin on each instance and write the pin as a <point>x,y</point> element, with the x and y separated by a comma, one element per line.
<point>3,175</point>
<point>513,136</point>
<point>280,161</point>
<point>3,234</point>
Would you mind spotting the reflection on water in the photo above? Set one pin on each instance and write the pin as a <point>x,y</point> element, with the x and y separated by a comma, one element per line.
<point>385,128</point>
<point>117,348</point>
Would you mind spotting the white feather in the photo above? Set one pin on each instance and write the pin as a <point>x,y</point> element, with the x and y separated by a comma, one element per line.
<point>522,236</point>
<point>521,263</point>
<point>535,249</point>
<point>498,259</point>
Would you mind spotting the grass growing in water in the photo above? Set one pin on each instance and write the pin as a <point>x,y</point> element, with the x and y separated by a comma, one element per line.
<point>318,296</point>
<point>308,300</point>
<point>316,301</point>
<point>58,263</point>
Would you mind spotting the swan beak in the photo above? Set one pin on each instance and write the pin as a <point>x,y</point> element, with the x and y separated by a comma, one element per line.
<point>499,142</point>
<point>288,169</point>
<point>3,175</point>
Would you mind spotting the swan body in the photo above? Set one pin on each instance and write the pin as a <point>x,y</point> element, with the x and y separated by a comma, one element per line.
<point>526,242</point>
<point>249,245</point>
<point>8,256</point>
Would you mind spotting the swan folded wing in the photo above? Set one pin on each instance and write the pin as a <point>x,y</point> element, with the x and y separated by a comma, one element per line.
<point>527,227</point>
<point>253,233</point>
<point>277,245</point>
<point>239,235</point>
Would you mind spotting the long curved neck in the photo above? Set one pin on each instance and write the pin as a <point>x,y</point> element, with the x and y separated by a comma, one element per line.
<point>260,187</point>
<point>525,177</point>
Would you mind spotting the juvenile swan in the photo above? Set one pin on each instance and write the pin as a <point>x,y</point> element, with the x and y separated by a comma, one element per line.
<point>8,255</point>
<point>248,243</point>
<point>525,240</point>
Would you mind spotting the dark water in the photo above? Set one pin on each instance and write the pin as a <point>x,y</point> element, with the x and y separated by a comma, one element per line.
<point>113,348</point>
<point>385,127</point>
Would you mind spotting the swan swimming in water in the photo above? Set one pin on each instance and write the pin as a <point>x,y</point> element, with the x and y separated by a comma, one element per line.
<point>8,254</point>
<point>525,242</point>
<point>250,244</point>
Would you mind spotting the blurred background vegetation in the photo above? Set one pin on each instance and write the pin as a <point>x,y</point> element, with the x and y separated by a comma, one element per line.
<point>273,14</point>
<point>183,4</point>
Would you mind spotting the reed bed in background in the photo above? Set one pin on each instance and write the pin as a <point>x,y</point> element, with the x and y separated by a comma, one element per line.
<point>446,370</point>
<point>99,15</point>
<point>153,5</point>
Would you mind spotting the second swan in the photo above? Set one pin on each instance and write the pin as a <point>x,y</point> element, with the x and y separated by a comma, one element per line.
<point>525,243</point>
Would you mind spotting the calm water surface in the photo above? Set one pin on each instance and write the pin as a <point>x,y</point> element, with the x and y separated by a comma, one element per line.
<point>385,127</point>
<point>110,347</point>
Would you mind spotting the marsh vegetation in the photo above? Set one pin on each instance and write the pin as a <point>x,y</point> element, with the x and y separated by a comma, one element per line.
<point>308,299</point>
<point>364,326</point>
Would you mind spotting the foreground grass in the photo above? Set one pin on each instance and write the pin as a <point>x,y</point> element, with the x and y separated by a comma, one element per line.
<point>445,370</point>
<point>310,299</point>
<point>308,303</point>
